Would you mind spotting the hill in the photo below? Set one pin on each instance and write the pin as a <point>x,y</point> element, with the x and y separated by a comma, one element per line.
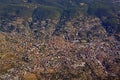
<point>59,40</point>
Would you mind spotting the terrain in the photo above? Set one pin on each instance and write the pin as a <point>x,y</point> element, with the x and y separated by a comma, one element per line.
<point>59,39</point>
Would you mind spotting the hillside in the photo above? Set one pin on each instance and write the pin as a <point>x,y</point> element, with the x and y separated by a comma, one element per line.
<point>59,40</point>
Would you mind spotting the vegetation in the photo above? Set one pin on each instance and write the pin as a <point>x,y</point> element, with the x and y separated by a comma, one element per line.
<point>53,9</point>
<point>45,12</point>
<point>108,13</point>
